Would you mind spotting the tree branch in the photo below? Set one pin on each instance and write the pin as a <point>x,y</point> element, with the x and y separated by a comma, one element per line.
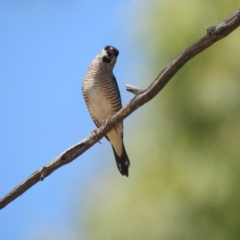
<point>213,35</point>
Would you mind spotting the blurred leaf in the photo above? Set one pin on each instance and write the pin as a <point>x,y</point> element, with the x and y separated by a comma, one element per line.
<point>184,179</point>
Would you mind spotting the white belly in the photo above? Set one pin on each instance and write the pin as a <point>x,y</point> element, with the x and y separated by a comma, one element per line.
<point>100,108</point>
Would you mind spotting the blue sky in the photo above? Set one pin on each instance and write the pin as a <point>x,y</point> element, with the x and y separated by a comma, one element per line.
<point>45,49</point>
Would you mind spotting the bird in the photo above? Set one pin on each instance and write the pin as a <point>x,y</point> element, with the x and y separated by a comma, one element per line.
<point>102,97</point>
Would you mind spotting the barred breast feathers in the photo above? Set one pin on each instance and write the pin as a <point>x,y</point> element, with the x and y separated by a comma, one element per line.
<point>100,76</point>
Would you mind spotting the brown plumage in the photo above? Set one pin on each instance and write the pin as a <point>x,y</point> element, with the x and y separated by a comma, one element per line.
<point>102,97</point>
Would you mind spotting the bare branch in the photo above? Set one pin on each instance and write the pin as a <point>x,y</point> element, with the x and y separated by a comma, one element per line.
<point>134,90</point>
<point>214,34</point>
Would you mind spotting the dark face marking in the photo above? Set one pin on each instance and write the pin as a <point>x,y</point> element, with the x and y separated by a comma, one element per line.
<point>112,50</point>
<point>111,53</point>
<point>106,59</point>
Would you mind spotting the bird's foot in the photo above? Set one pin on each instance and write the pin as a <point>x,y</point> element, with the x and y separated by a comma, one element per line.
<point>94,133</point>
<point>107,120</point>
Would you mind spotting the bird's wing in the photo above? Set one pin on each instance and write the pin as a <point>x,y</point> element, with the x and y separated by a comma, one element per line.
<point>117,89</point>
<point>118,93</point>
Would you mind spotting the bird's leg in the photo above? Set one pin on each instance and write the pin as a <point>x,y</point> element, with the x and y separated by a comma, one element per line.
<point>107,120</point>
<point>94,133</point>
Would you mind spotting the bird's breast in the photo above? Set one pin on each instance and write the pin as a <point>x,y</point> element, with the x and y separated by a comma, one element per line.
<point>99,106</point>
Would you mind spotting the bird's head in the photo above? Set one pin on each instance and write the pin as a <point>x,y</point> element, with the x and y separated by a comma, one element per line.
<point>109,56</point>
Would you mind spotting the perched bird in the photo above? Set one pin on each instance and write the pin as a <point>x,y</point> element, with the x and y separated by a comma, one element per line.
<point>102,97</point>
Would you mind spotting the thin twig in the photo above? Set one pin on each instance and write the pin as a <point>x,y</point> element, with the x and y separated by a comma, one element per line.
<point>134,90</point>
<point>214,34</point>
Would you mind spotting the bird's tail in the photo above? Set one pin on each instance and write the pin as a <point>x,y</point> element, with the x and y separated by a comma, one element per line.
<point>123,162</point>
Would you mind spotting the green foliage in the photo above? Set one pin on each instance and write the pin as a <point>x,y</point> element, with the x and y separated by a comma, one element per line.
<point>186,152</point>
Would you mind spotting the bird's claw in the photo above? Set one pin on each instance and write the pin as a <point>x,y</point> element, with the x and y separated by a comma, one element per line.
<point>107,120</point>
<point>94,133</point>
